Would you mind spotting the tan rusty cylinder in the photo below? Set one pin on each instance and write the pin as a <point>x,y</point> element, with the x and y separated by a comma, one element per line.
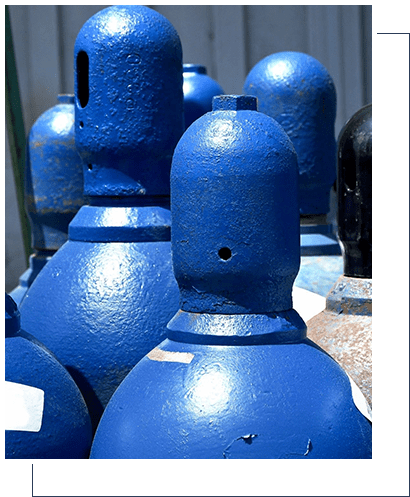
<point>344,328</point>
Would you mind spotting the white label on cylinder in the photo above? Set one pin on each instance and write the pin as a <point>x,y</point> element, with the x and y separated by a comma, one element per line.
<point>360,400</point>
<point>24,407</point>
<point>167,356</point>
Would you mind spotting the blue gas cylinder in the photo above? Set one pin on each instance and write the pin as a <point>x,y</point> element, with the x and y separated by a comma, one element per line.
<point>107,294</point>
<point>45,413</point>
<point>344,328</point>
<point>53,186</point>
<point>298,92</point>
<point>199,90</point>
<point>236,376</point>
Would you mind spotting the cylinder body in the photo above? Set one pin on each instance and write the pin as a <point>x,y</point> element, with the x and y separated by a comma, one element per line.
<point>344,328</point>
<point>53,186</point>
<point>109,291</point>
<point>46,416</point>
<point>236,377</point>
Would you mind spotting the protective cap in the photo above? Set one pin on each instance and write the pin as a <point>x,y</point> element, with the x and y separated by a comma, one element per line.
<point>199,89</point>
<point>54,181</point>
<point>235,217</point>
<point>298,92</point>
<point>354,186</point>
<point>129,101</point>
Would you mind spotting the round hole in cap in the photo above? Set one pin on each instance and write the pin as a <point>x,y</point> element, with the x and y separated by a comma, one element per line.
<point>225,253</point>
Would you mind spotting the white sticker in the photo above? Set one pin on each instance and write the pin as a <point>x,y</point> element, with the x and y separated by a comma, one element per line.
<point>24,407</point>
<point>167,356</point>
<point>307,304</point>
<point>360,400</point>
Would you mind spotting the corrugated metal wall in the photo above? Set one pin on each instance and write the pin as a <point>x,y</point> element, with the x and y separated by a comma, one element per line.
<point>229,40</point>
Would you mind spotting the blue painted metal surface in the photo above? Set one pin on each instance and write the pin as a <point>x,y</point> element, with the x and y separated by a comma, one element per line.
<point>199,90</point>
<point>344,328</point>
<point>50,419</point>
<point>318,274</point>
<point>36,263</point>
<point>318,239</point>
<point>107,294</point>
<point>236,376</point>
<point>297,91</point>
<point>231,167</point>
<point>53,186</point>
<point>129,101</point>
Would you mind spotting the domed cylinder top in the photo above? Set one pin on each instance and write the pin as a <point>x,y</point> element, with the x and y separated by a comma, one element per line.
<point>129,101</point>
<point>298,92</point>
<point>199,90</point>
<point>354,186</point>
<point>53,176</point>
<point>235,218</point>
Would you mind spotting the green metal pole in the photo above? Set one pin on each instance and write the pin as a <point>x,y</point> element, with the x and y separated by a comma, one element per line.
<point>16,133</point>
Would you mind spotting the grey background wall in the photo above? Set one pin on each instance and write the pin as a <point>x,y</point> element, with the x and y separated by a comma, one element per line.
<point>229,40</point>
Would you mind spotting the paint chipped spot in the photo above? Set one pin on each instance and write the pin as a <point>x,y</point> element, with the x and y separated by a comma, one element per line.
<point>246,438</point>
<point>168,356</point>
<point>308,447</point>
<point>298,452</point>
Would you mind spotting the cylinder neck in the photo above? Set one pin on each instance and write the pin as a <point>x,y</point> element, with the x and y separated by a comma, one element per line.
<point>136,201</point>
<point>127,224</point>
<point>318,219</point>
<point>65,98</point>
<point>194,68</point>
